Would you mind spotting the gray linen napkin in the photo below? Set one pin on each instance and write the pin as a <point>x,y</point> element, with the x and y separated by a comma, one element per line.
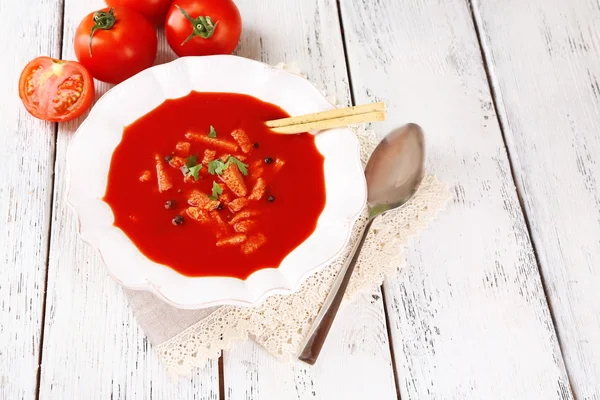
<point>159,320</point>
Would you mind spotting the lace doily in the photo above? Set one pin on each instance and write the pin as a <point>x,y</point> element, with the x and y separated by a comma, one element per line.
<point>281,322</point>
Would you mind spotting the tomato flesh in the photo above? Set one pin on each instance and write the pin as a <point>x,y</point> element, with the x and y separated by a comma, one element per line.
<point>56,90</point>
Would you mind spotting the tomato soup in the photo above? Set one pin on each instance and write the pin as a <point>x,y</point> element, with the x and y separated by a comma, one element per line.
<point>201,185</point>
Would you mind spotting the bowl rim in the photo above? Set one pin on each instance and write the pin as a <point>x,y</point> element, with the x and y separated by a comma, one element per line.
<point>149,286</point>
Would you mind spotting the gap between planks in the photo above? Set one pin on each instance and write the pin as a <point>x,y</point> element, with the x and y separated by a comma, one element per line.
<point>221,378</point>
<point>38,379</point>
<point>383,299</point>
<point>345,48</point>
<point>389,333</point>
<point>499,117</point>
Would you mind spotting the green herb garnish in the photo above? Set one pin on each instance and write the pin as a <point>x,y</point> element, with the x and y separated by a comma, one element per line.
<point>216,191</point>
<point>212,133</point>
<point>191,161</point>
<point>194,171</point>
<point>218,166</point>
<point>241,166</point>
<point>191,168</point>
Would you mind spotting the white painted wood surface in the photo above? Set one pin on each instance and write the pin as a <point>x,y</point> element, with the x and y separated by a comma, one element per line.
<point>93,347</point>
<point>27,152</point>
<point>355,363</point>
<point>359,335</point>
<point>545,65</point>
<point>469,319</point>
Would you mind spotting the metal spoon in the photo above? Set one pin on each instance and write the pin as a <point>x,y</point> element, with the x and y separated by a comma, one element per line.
<point>394,172</point>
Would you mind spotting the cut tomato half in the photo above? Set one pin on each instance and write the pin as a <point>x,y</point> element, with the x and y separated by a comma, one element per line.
<point>56,90</point>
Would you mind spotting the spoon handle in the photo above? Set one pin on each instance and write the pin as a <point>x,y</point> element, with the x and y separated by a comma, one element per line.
<point>320,328</point>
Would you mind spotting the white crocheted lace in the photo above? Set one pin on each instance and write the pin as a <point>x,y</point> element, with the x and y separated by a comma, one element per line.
<point>281,321</point>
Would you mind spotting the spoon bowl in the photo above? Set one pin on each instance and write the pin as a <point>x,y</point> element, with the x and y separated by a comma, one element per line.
<point>394,173</point>
<point>395,169</point>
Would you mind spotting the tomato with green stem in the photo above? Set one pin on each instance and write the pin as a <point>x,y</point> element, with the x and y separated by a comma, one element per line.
<point>115,44</point>
<point>203,27</point>
<point>55,90</point>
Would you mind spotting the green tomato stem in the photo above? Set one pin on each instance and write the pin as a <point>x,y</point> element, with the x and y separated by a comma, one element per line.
<point>102,20</point>
<point>202,26</point>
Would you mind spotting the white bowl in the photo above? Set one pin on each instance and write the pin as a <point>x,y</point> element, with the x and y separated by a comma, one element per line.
<point>89,157</point>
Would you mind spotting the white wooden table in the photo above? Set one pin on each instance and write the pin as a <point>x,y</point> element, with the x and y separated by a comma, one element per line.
<point>501,296</point>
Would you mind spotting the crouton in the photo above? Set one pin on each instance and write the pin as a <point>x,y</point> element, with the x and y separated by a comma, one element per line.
<point>237,204</point>
<point>209,155</point>
<point>198,214</point>
<point>183,149</point>
<point>242,139</point>
<point>243,215</point>
<point>234,180</point>
<point>244,226</point>
<point>164,182</point>
<point>232,240</point>
<point>212,142</point>
<point>253,243</point>
<point>198,199</point>
<point>145,176</point>
<point>258,190</point>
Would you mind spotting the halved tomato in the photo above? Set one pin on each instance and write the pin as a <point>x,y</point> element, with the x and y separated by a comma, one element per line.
<point>56,90</point>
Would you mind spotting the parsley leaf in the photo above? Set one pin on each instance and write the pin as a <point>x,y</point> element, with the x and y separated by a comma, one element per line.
<point>216,167</point>
<point>216,191</point>
<point>212,133</point>
<point>191,161</point>
<point>194,171</point>
<point>241,166</point>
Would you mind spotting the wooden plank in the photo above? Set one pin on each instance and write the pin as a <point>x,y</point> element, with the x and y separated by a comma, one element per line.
<point>544,61</point>
<point>92,344</point>
<point>356,362</point>
<point>469,318</point>
<point>27,154</point>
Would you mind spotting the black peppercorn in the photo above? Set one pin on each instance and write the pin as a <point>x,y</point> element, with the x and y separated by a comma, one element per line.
<point>169,204</point>
<point>271,198</point>
<point>220,206</point>
<point>168,158</point>
<point>268,160</point>
<point>255,145</point>
<point>178,220</point>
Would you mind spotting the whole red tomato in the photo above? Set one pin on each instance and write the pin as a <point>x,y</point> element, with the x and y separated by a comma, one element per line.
<point>115,44</point>
<point>203,27</point>
<point>56,90</point>
<point>154,10</point>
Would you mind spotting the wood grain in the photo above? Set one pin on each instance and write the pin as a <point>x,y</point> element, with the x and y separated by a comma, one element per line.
<point>355,362</point>
<point>27,153</point>
<point>469,319</point>
<point>543,59</point>
<point>93,347</point>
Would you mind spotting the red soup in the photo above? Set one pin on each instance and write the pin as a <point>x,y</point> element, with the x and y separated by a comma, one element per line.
<point>201,185</point>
